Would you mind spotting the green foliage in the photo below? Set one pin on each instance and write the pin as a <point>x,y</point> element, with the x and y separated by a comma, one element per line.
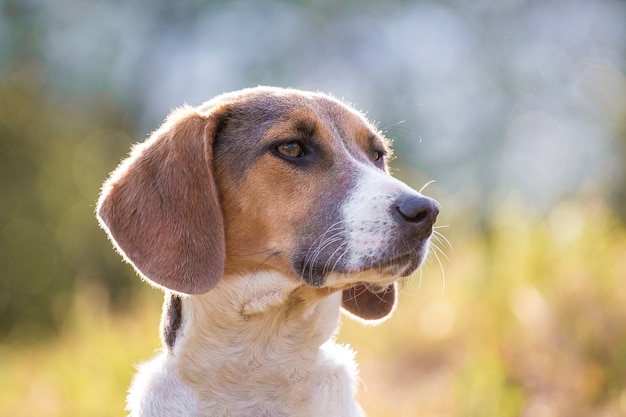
<point>53,159</point>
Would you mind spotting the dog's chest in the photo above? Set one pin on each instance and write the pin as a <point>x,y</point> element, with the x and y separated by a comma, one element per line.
<point>276,363</point>
<point>326,388</point>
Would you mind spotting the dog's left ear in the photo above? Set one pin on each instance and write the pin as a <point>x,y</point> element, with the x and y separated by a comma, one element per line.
<point>370,303</point>
<point>161,207</point>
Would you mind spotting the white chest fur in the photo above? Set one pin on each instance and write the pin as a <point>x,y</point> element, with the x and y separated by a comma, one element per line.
<point>273,354</point>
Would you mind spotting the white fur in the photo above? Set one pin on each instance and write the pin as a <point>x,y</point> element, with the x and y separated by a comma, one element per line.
<point>367,214</point>
<point>157,390</point>
<point>236,355</point>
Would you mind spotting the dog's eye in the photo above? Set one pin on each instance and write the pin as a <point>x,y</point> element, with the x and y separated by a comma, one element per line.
<point>377,155</point>
<point>292,149</point>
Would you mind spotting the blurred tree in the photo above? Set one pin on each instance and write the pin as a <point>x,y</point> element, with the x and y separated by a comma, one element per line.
<point>56,149</point>
<point>51,167</point>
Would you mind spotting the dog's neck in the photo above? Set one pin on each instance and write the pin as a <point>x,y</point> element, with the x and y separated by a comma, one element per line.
<point>254,354</point>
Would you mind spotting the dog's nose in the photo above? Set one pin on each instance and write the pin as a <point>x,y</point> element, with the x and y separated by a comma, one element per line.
<point>416,210</point>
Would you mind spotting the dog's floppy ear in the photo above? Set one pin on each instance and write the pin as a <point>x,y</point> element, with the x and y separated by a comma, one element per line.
<point>370,303</point>
<point>160,207</point>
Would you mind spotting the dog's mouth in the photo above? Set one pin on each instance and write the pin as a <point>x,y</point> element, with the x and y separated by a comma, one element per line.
<point>391,267</point>
<point>400,266</point>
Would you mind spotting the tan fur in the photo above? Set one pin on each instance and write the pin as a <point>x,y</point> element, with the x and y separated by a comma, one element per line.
<point>258,251</point>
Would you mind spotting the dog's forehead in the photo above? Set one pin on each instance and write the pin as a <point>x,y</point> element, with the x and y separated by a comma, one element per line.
<point>305,113</point>
<point>257,119</point>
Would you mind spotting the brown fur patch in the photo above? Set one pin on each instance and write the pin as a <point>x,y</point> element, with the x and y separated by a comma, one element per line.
<point>161,208</point>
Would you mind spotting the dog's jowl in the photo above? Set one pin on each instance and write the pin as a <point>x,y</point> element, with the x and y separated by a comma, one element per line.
<point>262,214</point>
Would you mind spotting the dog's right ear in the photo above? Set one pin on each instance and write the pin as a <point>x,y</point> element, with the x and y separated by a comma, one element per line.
<point>160,207</point>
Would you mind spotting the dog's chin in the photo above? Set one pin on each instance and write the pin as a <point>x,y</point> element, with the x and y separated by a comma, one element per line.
<point>381,271</point>
<point>400,267</point>
<point>379,274</point>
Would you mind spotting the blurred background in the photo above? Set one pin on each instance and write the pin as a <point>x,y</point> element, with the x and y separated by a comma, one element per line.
<point>515,108</point>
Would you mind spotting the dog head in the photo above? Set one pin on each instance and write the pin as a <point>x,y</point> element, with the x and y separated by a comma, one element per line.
<point>268,179</point>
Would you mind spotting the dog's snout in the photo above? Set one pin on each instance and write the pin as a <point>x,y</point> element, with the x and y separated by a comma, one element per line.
<point>417,210</point>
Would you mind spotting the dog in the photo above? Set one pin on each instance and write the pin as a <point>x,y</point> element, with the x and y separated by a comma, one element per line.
<point>262,214</point>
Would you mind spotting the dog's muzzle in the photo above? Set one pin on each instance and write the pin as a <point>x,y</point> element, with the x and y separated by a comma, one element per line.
<point>385,234</point>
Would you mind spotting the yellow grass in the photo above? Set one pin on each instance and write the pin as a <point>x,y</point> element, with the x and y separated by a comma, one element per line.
<point>86,370</point>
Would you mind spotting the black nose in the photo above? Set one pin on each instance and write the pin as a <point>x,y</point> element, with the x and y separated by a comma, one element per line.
<point>416,210</point>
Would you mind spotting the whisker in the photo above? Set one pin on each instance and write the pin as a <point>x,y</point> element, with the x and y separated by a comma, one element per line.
<point>320,243</point>
<point>419,285</point>
<point>318,251</point>
<point>443,274</point>
<point>394,126</point>
<point>434,199</point>
<point>380,297</point>
<point>242,255</point>
<point>324,244</point>
<point>344,247</point>
<point>356,296</point>
<point>438,249</point>
<point>426,185</point>
<point>320,238</point>
<point>341,246</point>
<point>442,239</point>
